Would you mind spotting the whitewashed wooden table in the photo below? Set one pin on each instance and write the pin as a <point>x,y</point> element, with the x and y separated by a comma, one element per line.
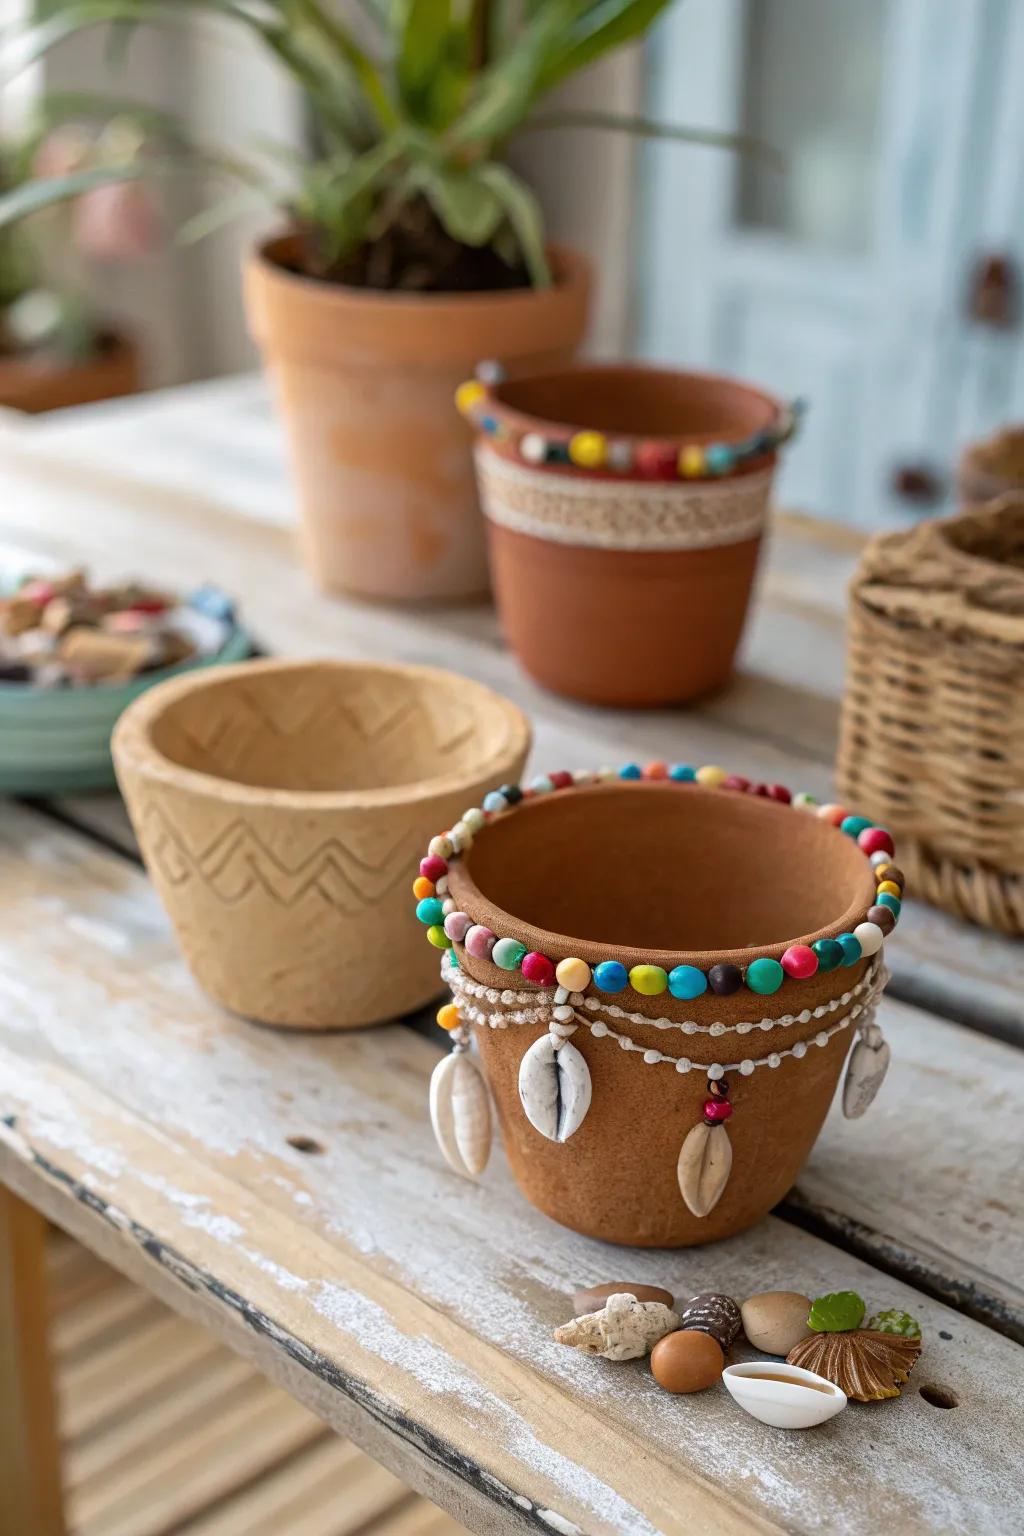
<point>285,1192</point>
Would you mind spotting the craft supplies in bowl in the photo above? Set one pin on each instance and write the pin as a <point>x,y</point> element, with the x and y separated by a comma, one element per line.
<point>661,1046</point>
<point>932,720</point>
<point>279,807</point>
<point>626,507</point>
<point>73,656</point>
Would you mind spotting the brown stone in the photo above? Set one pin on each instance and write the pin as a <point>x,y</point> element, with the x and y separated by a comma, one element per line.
<point>594,1296</point>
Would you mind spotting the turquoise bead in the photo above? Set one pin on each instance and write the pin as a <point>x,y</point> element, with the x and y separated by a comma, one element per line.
<point>850,947</point>
<point>541,785</point>
<point>610,976</point>
<point>687,981</point>
<point>508,953</point>
<point>829,953</point>
<point>495,801</point>
<point>682,773</point>
<point>765,975</point>
<point>853,826</point>
<point>631,771</point>
<point>430,910</point>
<point>719,458</point>
<point>886,899</point>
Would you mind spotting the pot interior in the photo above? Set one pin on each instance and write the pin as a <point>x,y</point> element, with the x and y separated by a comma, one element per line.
<point>667,867</point>
<point>649,402</point>
<point>328,726</point>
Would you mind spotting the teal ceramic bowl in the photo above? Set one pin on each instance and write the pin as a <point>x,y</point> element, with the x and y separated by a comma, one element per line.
<point>57,740</point>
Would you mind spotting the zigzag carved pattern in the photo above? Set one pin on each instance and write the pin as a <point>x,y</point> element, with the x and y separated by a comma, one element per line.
<point>237,863</point>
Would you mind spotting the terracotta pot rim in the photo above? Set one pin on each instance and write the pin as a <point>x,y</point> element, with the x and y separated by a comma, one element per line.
<point>133,745</point>
<point>114,347</point>
<point>571,270</point>
<point>482,909</point>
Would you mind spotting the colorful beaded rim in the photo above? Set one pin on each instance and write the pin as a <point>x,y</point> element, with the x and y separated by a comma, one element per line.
<point>608,454</point>
<point>446,925</point>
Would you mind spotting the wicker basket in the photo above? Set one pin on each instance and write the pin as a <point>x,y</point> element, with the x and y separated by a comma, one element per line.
<point>932,733</point>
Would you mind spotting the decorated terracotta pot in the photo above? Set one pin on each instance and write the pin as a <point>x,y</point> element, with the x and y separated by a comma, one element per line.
<point>626,507</point>
<point>661,1048</point>
<point>383,465</point>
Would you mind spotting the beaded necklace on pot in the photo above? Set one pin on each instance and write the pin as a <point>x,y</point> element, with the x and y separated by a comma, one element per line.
<point>554,1080</point>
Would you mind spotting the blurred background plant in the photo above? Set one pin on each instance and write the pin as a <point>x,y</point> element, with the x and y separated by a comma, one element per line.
<point>411,107</point>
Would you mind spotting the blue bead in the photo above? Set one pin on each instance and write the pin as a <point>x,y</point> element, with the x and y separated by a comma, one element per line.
<point>886,899</point>
<point>719,458</point>
<point>853,826</point>
<point>850,946</point>
<point>687,981</point>
<point>610,976</point>
<point>556,453</point>
<point>488,424</point>
<point>541,785</point>
<point>682,773</point>
<point>631,771</point>
<point>495,801</point>
<point>430,911</point>
<point>211,600</point>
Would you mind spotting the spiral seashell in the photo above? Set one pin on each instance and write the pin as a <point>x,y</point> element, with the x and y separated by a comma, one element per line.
<point>554,1088</point>
<point>866,1365</point>
<point>460,1112</point>
<point>705,1162</point>
<point>623,1329</point>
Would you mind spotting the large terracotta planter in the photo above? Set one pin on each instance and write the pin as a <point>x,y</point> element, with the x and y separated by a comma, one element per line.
<point>39,383</point>
<point>667,875</point>
<point>387,498</point>
<point>625,585</point>
<point>279,805</point>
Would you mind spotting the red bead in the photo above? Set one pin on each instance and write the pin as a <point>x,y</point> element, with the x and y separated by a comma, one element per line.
<point>780,793</point>
<point>875,840</point>
<point>759,789</point>
<point>657,461</point>
<point>561,779</point>
<point>538,969</point>
<point>717,1109</point>
<point>654,771</point>
<point>800,961</point>
<point>736,781</point>
<point>433,867</point>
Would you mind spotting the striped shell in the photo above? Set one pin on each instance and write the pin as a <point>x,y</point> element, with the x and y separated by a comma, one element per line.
<point>866,1365</point>
<point>705,1162</point>
<point>865,1072</point>
<point>554,1088</point>
<point>460,1112</point>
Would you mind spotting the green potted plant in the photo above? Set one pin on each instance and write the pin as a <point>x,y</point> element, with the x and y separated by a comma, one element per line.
<point>410,251</point>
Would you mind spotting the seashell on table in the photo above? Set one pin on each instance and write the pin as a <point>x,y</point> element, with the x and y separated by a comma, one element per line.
<point>784,1396</point>
<point>866,1365</point>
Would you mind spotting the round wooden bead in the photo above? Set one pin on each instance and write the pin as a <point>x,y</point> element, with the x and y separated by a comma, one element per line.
<point>513,794</point>
<point>834,814</point>
<point>653,771</point>
<point>610,976</point>
<point>421,888</point>
<point>720,458</point>
<point>495,802</point>
<point>829,953</point>
<point>890,872</point>
<point>648,980</point>
<point>587,449</point>
<point>541,785</point>
<point>799,960</point>
<point>691,461</point>
<point>884,899</point>
<point>631,771</point>
<point>474,818</point>
<point>802,801</point>
<point>533,448</point>
<point>438,937</point>
<point>737,782</point>
<point>441,847</point>
<point>711,776</point>
<point>779,793</point>
<point>682,773</point>
<point>469,395</point>
<point>507,953</point>
<point>656,461</point>
<point>457,925</point>
<point>620,455</point>
<point>850,946</point>
<point>687,981</point>
<point>765,975</point>
<point>725,979</point>
<point>875,840</point>
<point>480,941</point>
<point>430,910</point>
<point>537,968</point>
<point>869,936</point>
<point>432,867</point>
<point>573,975</point>
<point>562,779</point>
<point>882,917</point>
<point>890,888</point>
<point>853,826</point>
<point>448,1016</point>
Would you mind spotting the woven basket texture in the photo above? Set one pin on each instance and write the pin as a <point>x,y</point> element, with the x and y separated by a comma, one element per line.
<point>932,728</point>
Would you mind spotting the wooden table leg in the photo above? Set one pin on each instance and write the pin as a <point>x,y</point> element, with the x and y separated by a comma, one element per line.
<point>31,1504</point>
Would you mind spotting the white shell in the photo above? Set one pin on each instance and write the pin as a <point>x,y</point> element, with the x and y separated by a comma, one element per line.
<point>460,1112</point>
<point>865,1072</point>
<point>554,1087</point>
<point>705,1162</point>
<point>779,1403</point>
<point>623,1329</point>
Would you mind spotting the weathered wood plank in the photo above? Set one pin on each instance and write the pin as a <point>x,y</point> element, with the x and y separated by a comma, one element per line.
<point>158,1129</point>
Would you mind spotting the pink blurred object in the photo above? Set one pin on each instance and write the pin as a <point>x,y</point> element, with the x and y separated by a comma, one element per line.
<point>115,223</point>
<point>62,152</point>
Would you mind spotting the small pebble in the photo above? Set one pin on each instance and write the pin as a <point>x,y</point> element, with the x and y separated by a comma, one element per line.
<point>687,1361</point>
<point>713,1313</point>
<point>776,1321</point>
<point>593,1297</point>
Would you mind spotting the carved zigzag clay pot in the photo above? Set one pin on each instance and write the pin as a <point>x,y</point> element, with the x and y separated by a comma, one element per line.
<point>658,874</point>
<point>280,805</point>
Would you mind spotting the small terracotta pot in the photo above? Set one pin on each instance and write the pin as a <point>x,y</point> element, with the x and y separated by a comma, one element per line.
<point>991,467</point>
<point>39,383</point>
<point>279,806</point>
<point>594,873</point>
<point>630,587</point>
<point>366,380</point>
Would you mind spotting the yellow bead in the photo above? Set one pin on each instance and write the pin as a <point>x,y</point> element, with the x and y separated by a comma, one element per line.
<point>469,395</point>
<point>691,461</point>
<point>422,888</point>
<point>573,975</point>
<point>711,776</point>
<point>448,1016</point>
<point>648,980</point>
<point>890,888</point>
<point>587,449</point>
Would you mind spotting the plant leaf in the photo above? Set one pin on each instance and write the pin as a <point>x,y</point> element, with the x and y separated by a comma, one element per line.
<point>603,26</point>
<point>32,196</point>
<point>523,213</point>
<point>469,210</point>
<point>421,51</point>
<point>647,128</point>
<point>505,91</point>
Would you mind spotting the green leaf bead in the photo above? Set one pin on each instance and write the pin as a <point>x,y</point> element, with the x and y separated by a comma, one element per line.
<point>765,975</point>
<point>837,1312</point>
<point>438,937</point>
<point>508,954</point>
<point>895,1321</point>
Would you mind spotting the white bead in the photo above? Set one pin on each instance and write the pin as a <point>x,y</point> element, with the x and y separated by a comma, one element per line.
<point>616,1012</point>
<point>561,995</point>
<point>804,1016</point>
<point>607,773</point>
<point>774,1059</point>
<point>869,936</point>
<point>683,1064</point>
<point>448,905</point>
<point>800,1049</point>
<point>715,1072</point>
<point>620,454</point>
<point>474,818</point>
<point>563,1012</point>
<point>441,886</point>
<point>593,1003</point>
<point>463,836</point>
<point>492,995</point>
<point>598,1029</point>
<point>744,1029</point>
<point>624,1043</point>
<point>582,776</point>
<point>880,858</point>
<point>532,447</point>
<point>717,1029</point>
<point>767,1024</point>
<point>821,1038</point>
<point>746,1066</point>
<point>490,371</point>
<point>651,1057</point>
<point>689,1028</point>
<point>563,1031</point>
<point>440,847</point>
<point>508,998</point>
